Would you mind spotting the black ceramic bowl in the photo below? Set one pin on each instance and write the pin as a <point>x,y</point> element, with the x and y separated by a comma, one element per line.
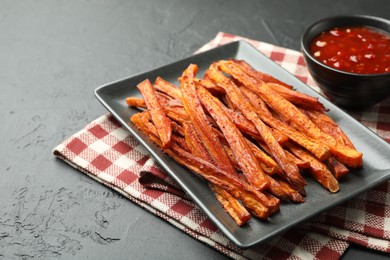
<point>349,90</point>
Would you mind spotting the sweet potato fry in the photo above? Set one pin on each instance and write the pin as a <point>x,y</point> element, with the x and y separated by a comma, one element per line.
<point>247,127</point>
<point>284,191</point>
<point>288,167</point>
<point>232,158</point>
<point>317,169</point>
<point>159,118</point>
<point>344,154</point>
<point>292,115</point>
<point>177,128</point>
<point>242,123</point>
<point>162,98</point>
<point>256,202</point>
<point>231,205</point>
<point>302,165</point>
<point>193,142</point>
<point>243,154</point>
<point>266,162</point>
<point>256,101</point>
<point>138,119</point>
<point>259,75</point>
<point>198,118</point>
<point>262,111</point>
<point>136,102</point>
<point>327,125</point>
<point>210,86</point>
<point>144,122</point>
<point>177,114</point>
<point>165,87</point>
<point>322,152</point>
<point>337,168</point>
<point>297,98</point>
<point>140,102</point>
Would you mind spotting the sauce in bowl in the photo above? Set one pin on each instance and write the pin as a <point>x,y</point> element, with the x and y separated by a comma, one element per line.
<point>361,50</point>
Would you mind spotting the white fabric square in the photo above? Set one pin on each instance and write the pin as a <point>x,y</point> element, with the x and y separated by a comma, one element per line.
<point>342,232</point>
<point>378,242</point>
<point>124,162</point>
<point>99,146</point>
<point>132,191</point>
<point>120,133</point>
<point>160,206</point>
<point>106,177</point>
<point>356,215</point>
<point>80,162</point>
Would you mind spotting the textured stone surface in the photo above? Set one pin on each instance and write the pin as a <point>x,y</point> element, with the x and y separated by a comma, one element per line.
<point>53,55</point>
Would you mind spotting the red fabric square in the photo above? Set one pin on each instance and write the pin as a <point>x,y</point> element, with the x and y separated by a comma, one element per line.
<point>153,193</point>
<point>384,110</point>
<point>294,236</point>
<point>382,187</point>
<point>301,61</point>
<point>383,126</point>
<point>277,253</point>
<point>76,146</point>
<point>98,131</point>
<point>228,36</point>
<point>101,162</point>
<point>376,232</point>
<point>375,210</point>
<point>357,239</point>
<point>277,56</point>
<point>335,220</point>
<point>127,177</point>
<point>182,208</point>
<point>327,253</point>
<point>143,160</point>
<point>113,120</point>
<point>122,147</point>
<point>302,78</point>
<point>207,223</point>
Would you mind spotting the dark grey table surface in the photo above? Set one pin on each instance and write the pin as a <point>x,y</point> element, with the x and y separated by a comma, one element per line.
<point>53,54</point>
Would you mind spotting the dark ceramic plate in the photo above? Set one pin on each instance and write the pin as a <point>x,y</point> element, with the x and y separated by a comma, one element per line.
<point>376,151</point>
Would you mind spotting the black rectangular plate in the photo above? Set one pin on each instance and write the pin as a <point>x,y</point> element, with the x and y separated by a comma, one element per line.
<point>376,151</point>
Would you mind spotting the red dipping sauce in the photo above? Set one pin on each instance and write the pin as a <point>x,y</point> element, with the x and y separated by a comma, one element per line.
<point>360,50</point>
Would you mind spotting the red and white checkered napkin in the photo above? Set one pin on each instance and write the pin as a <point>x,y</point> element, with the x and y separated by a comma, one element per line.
<point>105,151</point>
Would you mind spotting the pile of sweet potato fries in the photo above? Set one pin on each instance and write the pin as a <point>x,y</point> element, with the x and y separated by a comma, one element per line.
<point>251,136</point>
